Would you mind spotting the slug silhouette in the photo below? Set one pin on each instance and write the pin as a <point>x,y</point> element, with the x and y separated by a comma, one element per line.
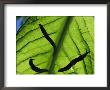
<point>47,36</point>
<point>73,62</point>
<point>36,69</point>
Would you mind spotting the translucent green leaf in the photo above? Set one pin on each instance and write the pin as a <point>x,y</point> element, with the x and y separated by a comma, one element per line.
<point>73,36</point>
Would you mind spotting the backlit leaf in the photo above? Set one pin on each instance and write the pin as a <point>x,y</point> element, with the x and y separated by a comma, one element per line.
<point>72,35</point>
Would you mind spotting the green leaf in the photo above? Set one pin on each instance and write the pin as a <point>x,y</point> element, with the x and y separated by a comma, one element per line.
<point>73,37</point>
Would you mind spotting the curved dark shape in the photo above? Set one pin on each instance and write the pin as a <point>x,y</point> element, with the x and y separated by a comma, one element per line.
<point>47,36</point>
<point>36,69</point>
<point>73,62</point>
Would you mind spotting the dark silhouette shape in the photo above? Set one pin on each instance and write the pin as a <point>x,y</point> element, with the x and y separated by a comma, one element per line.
<point>73,62</point>
<point>47,36</point>
<point>36,69</point>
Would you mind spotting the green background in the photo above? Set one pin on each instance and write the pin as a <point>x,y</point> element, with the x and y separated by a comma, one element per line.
<point>77,39</point>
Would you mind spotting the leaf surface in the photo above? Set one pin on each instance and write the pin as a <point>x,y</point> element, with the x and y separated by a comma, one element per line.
<point>73,36</point>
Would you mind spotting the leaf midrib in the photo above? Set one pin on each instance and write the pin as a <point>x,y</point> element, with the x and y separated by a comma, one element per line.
<point>60,42</point>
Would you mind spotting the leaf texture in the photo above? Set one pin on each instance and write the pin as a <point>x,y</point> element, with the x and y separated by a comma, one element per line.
<point>72,35</point>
